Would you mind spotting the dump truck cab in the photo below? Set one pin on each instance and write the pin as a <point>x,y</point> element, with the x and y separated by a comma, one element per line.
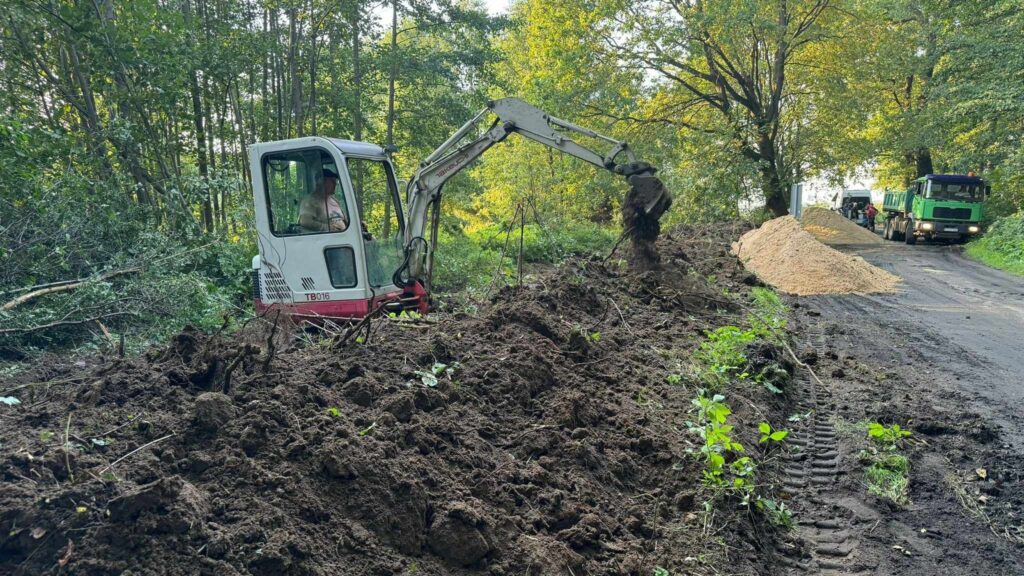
<point>936,207</point>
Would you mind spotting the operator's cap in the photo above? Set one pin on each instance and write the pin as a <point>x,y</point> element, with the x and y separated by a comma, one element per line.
<point>329,173</point>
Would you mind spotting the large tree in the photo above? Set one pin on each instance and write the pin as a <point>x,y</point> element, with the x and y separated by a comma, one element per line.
<point>730,69</point>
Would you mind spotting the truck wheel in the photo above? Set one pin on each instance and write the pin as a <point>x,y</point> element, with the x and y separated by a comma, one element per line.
<point>908,236</point>
<point>894,234</point>
<point>887,231</point>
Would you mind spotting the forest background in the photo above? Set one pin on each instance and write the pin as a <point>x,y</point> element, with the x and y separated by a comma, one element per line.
<point>124,125</point>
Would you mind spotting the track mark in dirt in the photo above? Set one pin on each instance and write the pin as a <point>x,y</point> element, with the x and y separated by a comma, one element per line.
<point>827,528</point>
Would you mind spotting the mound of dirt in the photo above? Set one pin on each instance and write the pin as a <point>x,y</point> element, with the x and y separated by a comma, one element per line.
<point>537,435</point>
<point>831,228</point>
<point>782,254</point>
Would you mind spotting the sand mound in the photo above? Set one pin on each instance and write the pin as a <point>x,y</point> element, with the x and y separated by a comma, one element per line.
<point>831,228</point>
<point>782,254</point>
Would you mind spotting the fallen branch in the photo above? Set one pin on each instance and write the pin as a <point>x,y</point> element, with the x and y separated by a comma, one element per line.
<point>62,323</point>
<point>62,287</point>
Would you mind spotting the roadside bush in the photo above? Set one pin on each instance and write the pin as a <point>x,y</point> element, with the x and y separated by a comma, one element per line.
<point>1002,246</point>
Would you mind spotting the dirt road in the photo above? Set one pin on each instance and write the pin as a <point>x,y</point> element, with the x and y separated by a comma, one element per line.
<point>944,358</point>
<point>962,321</point>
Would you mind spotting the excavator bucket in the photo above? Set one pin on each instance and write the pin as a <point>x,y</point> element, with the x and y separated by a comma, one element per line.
<point>648,195</point>
<point>645,203</point>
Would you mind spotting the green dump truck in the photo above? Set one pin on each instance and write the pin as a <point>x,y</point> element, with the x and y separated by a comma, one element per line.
<point>936,207</point>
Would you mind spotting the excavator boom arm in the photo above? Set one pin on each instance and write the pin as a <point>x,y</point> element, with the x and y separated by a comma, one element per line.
<point>511,115</point>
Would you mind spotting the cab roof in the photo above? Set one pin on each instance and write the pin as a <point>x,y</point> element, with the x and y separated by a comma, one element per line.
<point>346,147</point>
<point>953,178</point>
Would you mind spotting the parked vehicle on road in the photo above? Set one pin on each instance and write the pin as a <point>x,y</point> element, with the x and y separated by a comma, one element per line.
<point>936,207</point>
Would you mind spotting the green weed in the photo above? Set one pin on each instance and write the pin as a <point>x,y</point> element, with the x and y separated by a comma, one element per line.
<point>718,443</point>
<point>769,434</point>
<point>776,512</point>
<point>721,356</point>
<point>888,477</point>
<point>887,437</point>
<point>888,472</point>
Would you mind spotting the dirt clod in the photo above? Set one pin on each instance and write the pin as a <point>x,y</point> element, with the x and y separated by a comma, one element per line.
<point>212,410</point>
<point>641,219</point>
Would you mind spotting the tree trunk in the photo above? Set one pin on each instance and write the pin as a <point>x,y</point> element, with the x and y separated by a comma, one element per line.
<point>294,38</point>
<point>392,78</point>
<point>923,162</point>
<point>357,95</point>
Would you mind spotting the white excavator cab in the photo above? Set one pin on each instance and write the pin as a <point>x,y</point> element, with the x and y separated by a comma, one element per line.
<point>329,225</point>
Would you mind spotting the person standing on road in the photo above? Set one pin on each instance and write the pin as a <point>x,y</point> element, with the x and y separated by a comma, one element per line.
<point>871,212</point>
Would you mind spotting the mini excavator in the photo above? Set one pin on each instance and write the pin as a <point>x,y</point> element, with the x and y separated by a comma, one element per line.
<point>333,239</point>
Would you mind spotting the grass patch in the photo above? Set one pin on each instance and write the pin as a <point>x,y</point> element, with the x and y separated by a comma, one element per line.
<point>1002,246</point>
<point>979,251</point>
<point>888,471</point>
<point>889,477</point>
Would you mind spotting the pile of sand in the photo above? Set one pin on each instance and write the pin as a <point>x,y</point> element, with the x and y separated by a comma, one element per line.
<point>831,228</point>
<point>782,254</point>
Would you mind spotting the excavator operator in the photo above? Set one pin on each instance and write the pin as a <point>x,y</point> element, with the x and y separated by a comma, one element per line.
<point>320,211</point>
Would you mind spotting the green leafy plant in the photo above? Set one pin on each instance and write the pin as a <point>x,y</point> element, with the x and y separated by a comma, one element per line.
<point>333,411</point>
<point>437,371</point>
<point>776,512</point>
<point>769,320</point>
<point>674,379</point>
<point>659,571</point>
<point>888,476</point>
<point>888,472</point>
<point>718,443</point>
<point>769,434</point>
<point>721,355</point>
<point>887,437</point>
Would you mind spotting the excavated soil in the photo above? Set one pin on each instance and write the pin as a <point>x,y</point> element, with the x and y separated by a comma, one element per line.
<point>782,254</point>
<point>549,442</point>
<point>831,228</point>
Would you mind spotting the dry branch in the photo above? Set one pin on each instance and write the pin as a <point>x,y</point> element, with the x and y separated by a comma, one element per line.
<point>62,323</point>
<point>63,286</point>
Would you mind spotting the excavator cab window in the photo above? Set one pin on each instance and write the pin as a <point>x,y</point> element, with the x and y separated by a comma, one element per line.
<point>380,210</point>
<point>295,185</point>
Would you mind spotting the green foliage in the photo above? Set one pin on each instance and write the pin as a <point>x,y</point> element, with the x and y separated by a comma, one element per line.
<point>719,447</point>
<point>1002,246</point>
<point>769,320</point>
<point>550,243</point>
<point>889,477</point>
<point>721,355</point>
<point>888,472</point>
<point>769,434</point>
<point>334,412</point>
<point>776,512</point>
<point>887,437</point>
